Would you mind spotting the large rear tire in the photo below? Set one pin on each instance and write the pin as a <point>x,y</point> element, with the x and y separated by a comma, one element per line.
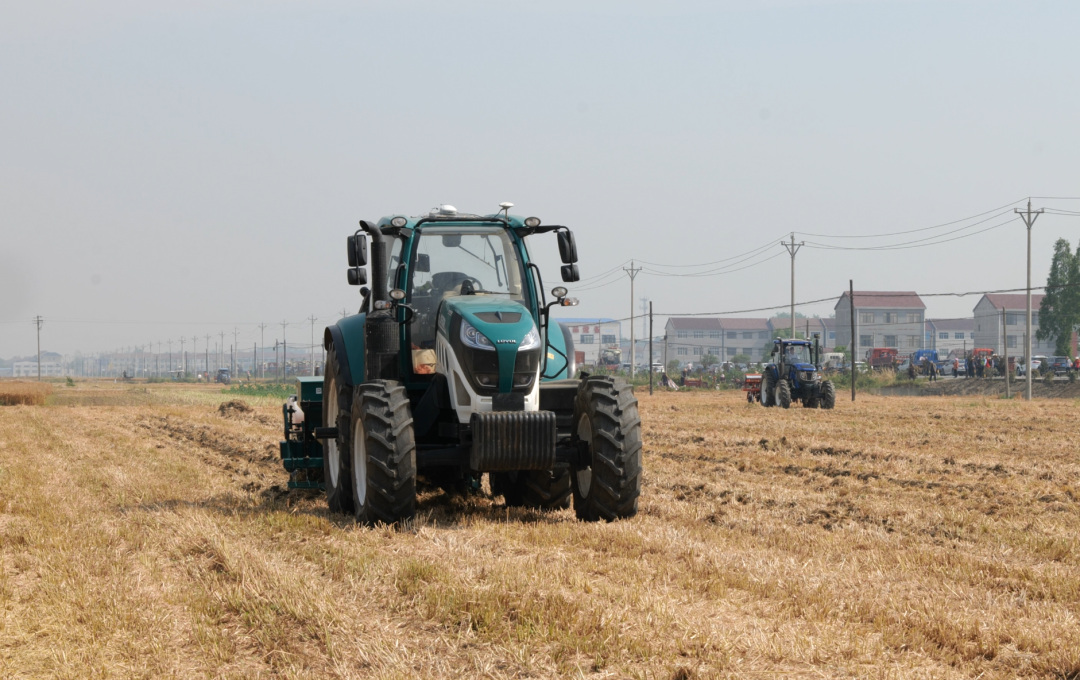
<point>383,447</point>
<point>541,489</point>
<point>768,388</point>
<point>783,394</point>
<point>606,417</point>
<point>337,402</point>
<point>827,399</point>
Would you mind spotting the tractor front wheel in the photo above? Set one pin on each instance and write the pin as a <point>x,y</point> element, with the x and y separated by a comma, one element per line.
<point>827,398</point>
<point>383,453</point>
<point>541,489</point>
<point>606,418</point>
<point>337,404</point>
<point>783,394</point>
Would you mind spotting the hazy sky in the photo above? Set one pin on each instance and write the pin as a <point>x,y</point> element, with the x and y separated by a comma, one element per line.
<point>191,170</point>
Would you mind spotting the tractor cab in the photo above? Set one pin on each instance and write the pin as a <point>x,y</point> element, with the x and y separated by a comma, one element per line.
<point>794,374</point>
<point>452,368</point>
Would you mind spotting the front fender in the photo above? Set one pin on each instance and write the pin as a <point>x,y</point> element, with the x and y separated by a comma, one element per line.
<point>347,337</point>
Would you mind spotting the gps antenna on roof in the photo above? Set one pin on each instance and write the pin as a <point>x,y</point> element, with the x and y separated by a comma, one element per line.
<point>506,205</point>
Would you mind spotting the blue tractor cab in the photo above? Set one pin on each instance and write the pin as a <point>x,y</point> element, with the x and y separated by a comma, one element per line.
<point>794,374</point>
<point>453,368</point>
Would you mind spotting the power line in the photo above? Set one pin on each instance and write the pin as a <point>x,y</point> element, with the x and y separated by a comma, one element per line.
<point>907,245</point>
<point>1001,209</point>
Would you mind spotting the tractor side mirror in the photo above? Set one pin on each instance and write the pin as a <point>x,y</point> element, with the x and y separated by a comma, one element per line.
<point>423,263</point>
<point>570,273</point>
<point>357,276</point>
<point>567,248</point>
<point>357,245</point>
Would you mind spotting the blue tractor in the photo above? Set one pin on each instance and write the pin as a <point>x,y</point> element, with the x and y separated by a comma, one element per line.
<point>794,374</point>
<point>452,368</point>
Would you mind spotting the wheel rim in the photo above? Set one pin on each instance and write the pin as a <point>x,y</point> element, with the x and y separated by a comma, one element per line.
<point>584,476</point>
<point>332,453</point>
<point>359,464</point>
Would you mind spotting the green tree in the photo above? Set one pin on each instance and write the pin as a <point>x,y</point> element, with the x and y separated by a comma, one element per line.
<point>708,360</point>
<point>1059,311</point>
<point>741,359</point>
<point>673,366</point>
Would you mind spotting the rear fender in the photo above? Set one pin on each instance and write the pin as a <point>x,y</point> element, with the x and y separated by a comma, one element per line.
<point>347,336</point>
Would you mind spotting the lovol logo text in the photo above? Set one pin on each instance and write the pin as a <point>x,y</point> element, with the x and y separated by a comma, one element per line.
<point>507,342</point>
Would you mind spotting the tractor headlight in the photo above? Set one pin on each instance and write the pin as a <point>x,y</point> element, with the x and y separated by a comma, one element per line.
<point>474,338</point>
<point>808,376</point>
<point>530,341</point>
<point>399,221</point>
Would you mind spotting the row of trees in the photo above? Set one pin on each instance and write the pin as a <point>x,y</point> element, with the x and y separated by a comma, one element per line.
<point>1059,312</point>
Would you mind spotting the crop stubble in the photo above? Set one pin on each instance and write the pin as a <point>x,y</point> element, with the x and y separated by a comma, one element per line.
<point>897,537</point>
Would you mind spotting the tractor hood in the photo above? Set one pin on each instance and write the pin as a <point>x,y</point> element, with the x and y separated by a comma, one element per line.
<point>805,367</point>
<point>504,322</point>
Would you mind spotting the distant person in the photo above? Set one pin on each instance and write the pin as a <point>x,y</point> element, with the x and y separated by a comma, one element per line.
<point>955,367</point>
<point>911,372</point>
<point>933,371</point>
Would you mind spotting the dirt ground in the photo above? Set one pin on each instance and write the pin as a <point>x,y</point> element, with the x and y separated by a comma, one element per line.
<point>144,532</point>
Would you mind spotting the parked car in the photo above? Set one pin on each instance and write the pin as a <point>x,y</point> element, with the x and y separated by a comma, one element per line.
<point>1035,364</point>
<point>1060,365</point>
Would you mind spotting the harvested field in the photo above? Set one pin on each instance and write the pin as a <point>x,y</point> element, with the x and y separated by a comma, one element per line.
<point>15,392</point>
<point>896,537</point>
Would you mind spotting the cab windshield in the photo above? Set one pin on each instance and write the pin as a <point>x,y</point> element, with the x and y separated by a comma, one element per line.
<point>466,260</point>
<point>797,354</point>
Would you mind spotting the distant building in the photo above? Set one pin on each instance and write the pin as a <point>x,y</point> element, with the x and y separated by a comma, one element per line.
<point>882,319</point>
<point>949,335</point>
<point>29,369</point>
<point>593,334</point>
<point>689,339</point>
<point>988,328</point>
<point>825,328</point>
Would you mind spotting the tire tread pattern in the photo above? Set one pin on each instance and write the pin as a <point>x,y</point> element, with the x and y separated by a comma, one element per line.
<point>391,452</point>
<point>616,450</point>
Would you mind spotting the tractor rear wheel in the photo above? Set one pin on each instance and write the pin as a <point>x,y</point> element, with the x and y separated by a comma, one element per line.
<point>606,417</point>
<point>383,451</point>
<point>827,398</point>
<point>337,405</point>
<point>768,388</point>
<point>542,489</point>
<point>783,394</point>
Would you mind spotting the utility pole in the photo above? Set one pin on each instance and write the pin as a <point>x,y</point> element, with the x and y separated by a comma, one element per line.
<point>632,273</point>
<point>195,352</point>
<point>312,319</point>
<point>234,349</point>
<point>262,343</point>
<point>792,248</point>
<point>1029,219</point>
<point>1005,352</point>
<point>37,322</point>
<point>650,348</point>
<point>170,356</point>
<point>221,352</point>
<point>183,359</point>
<point>854,338</point>
<point>284,350</point>
<point>206,354</point>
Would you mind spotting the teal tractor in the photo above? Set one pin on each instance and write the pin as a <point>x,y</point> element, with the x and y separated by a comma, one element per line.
<point>794,374</point>
<point>453,369</point>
